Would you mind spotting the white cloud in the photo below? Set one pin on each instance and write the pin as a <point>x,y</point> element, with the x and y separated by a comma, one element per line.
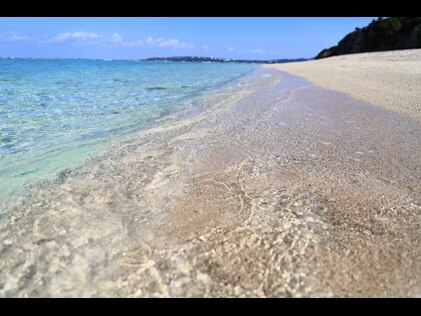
<point>205,47</point>
<point>230,49</point>
<point>97,38</point>
<point>162,42</point>
<point>15,37</point>
<point>76,36</point>
<point>116,38</point>
<point>87,37</point>
<point>257,51</point>
<point>159,42</point>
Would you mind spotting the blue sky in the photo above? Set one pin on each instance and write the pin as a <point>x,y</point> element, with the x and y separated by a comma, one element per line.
<point>134,38</point>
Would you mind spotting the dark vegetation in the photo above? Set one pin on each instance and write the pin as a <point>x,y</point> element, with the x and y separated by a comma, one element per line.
<point>380,35</point>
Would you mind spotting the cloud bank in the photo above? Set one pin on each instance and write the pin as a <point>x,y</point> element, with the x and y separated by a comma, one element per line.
<point>76,36</point>
<point>116,38</point>
<point>96,38</point>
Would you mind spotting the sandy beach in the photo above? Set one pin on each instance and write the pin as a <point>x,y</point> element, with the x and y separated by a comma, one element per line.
<point>276,187</point>
<point>387,79</point>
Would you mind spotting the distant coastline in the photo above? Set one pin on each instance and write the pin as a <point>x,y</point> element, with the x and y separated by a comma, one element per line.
<point>223,60</point>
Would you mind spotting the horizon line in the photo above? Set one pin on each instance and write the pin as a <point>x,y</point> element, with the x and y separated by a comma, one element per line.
<point>146,58</point>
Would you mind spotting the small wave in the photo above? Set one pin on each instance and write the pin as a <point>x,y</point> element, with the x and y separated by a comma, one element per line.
<point>156,88</point>
<point>27,172</point>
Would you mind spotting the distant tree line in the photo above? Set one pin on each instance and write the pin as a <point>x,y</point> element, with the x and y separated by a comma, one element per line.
<point>221,60</point>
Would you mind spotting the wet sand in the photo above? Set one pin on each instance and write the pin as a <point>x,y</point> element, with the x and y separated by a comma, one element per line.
<point>389,79</point>
<point>275,188</point>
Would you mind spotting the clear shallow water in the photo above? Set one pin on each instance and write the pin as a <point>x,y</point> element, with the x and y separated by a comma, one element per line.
<point>56,113</point>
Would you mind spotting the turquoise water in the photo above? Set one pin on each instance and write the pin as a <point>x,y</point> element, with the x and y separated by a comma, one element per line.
<point>54,114</point>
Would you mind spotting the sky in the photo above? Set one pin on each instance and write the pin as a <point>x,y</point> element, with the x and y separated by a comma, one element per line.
<point>137,38</point>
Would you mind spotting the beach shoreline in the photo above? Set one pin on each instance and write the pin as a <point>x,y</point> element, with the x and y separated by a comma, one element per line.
<point>277,188</point>
<point>388,79</point>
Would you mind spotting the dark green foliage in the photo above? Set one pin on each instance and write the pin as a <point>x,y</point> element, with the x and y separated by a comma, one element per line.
<point>380,35</point>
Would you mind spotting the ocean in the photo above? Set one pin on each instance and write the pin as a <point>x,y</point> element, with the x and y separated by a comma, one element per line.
<point>56,113</point>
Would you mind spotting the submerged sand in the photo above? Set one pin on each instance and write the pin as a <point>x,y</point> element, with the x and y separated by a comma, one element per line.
<point>274,188</point>
<point>389,79</point>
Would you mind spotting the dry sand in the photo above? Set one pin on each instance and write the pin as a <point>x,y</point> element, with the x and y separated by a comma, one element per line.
<point>275,188</point>
<point>389,79</point>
